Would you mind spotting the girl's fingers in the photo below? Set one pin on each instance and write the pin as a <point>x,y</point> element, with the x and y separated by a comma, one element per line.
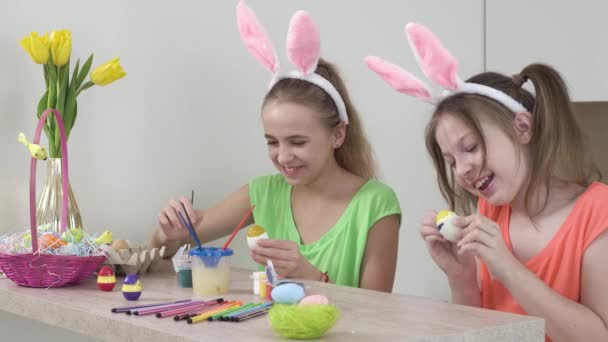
<point>476,236</point>
<point>273,253</point>
<point>173,218</point>
<point>258,258</point>
<point>281,272</point>
<point>475,248</point>
<point>282,267</point>
<point>286,245</point>
<point>175,205</point>
<point>469,223</point>
<point>427,230</point>
<point>189,209</point>
<point>163,219</point>
<point>286,265</point>
<point>434,238</point>
<point>429,218</point>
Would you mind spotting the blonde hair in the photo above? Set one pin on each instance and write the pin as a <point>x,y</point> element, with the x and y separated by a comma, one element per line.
<point>355,154</point>
<point>557,147</point>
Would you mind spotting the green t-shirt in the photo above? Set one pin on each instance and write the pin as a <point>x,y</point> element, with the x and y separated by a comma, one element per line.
<point>340,251</point>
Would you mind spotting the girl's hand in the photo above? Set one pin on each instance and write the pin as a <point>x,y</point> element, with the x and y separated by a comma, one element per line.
<point>170,223</point>
<point>483,238</point>
<point>445,253</point>
<point>286,258</point>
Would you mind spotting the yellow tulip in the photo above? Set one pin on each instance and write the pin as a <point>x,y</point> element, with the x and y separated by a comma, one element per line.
<point>107,73</point>
<point>37,47</point>
<point>61,46</point>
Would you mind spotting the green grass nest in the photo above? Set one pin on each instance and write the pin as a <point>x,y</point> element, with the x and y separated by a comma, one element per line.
<point>303,322</point>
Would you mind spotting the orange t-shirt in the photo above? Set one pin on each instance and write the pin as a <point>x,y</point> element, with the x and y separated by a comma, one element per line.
<point>559,263</point>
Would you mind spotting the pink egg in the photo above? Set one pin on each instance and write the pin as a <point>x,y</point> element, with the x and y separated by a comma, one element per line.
<point>314,299</point>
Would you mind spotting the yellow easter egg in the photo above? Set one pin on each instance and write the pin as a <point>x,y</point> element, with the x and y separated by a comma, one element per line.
<point>255,230</point>
<point>252,241</point>
<point>447,229</point>
<point>442,215</point>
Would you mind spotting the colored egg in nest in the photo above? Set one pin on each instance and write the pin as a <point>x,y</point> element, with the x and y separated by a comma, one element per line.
<point>287,293</point>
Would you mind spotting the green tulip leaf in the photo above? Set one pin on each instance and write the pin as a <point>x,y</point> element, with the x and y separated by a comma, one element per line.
<point>84,71</point>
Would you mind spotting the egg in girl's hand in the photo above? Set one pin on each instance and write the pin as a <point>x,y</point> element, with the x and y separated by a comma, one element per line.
<point>255,233</point>
<point>448,230</point>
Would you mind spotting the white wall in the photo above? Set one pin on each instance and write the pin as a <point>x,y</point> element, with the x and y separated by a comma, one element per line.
<point>187,114</point>
<point>569,35</point>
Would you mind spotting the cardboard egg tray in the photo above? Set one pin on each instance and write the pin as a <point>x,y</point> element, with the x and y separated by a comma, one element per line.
<point>135,260</point>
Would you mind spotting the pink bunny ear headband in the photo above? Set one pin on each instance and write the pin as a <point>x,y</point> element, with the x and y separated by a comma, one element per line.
<point>439,66</point>
<point>303,48</point>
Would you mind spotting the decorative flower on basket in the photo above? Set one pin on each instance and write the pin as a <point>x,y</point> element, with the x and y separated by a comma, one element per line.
<point>61,87</point>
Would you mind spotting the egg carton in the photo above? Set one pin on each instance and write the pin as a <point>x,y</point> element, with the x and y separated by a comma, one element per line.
<point>134,260</point>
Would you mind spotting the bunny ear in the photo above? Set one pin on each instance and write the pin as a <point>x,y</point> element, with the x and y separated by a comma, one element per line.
<point>255,38</point>
<point>436,61</point>
<point>303,43</point>
<point>399,79</point>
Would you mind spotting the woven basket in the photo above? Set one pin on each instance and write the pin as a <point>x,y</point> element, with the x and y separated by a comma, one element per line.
<point>48,270</point>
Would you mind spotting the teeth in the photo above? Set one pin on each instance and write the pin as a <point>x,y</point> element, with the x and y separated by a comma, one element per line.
<point>481,182</point>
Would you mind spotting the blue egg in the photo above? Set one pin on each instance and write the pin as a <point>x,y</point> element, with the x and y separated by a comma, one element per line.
<point>288,293</point>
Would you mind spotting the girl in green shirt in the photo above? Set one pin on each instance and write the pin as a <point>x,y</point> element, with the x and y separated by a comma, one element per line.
<point>326,217</point>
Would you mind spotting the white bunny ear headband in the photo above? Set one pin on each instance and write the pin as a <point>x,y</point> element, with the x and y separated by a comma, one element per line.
<point>303,48</point>
<point>439,66</point>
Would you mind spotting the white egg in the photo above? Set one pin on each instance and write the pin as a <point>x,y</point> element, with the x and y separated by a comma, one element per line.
<point>253,240</point>
<point>447,229</point>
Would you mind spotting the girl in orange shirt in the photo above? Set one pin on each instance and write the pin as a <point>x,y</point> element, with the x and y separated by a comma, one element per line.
<point>537,244</point>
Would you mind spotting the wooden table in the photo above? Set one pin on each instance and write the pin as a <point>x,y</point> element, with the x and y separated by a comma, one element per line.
<point>365,315</point>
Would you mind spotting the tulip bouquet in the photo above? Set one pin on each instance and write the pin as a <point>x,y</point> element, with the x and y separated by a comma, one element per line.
<point>54,53</point>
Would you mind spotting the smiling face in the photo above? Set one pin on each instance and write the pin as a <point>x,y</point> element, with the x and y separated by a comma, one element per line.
<point>300,146</point>
<point>525,152</point>
<point>504,173</point>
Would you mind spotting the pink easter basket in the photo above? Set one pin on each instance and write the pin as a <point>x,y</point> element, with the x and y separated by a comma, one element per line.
<point>48,270</point>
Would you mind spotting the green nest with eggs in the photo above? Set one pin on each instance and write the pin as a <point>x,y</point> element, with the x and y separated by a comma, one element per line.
<point>302,322</point>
